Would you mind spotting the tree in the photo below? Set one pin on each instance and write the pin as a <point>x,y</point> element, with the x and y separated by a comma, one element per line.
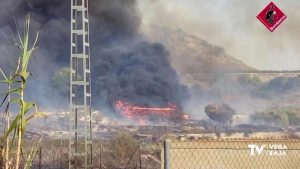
<point>294,118</point>
<point>277,117</point>
<point>221,113</point>
<point>61,81</point>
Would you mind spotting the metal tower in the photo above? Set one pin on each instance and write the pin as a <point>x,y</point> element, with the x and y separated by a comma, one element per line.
<point>80,143</point>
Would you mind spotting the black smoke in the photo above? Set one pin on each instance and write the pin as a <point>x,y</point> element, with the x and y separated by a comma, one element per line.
<point>124,65</point>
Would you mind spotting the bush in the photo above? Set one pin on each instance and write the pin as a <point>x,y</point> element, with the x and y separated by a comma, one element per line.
<point>275,117</point>
<point>123,147</point>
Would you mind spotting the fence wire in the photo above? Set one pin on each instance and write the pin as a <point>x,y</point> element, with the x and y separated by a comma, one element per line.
<point>123,153</point>
<point>235,154</point>
<point>119,153</point>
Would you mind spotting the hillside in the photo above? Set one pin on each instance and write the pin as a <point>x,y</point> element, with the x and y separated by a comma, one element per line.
<point>200,64</point>
<point>190,54</point>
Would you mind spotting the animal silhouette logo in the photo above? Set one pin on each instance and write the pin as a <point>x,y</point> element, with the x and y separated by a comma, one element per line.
<point>271,16</point>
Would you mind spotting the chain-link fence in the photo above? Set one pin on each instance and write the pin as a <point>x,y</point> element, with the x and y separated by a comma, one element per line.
<point>127,153</point>
<point>118,153</point>
<point>233,154</point>
<point>50,154</point>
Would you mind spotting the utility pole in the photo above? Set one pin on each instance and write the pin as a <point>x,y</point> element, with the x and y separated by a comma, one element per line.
<point>80,141</point>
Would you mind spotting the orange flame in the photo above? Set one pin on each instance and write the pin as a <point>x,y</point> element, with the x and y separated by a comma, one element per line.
<point>131,111</point>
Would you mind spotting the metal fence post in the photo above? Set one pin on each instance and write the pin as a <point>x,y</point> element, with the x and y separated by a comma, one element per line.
<point>2,164</point>
<point>140,156</point>
<point>167,154</point>
<point>40,158</point>
<point>60,151</point>
<point>100,156</point>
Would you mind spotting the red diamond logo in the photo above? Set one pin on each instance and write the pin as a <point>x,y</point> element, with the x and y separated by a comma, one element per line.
<point>271,16</point>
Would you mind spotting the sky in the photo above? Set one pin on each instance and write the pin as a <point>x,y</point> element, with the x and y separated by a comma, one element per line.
<point>232,24</point>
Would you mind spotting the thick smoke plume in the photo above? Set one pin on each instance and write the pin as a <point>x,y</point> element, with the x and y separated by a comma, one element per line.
<point>124,65</point>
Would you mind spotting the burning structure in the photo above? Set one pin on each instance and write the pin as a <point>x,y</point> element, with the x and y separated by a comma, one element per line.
<point>141,113</point>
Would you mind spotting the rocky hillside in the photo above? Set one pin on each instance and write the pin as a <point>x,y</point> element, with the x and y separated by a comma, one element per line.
<point>193,58</point>
<point>199,63</point>
<point>190,54</point>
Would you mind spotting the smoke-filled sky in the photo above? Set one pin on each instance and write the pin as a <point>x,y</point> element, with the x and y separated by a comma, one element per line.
<point>124,65</point>
<point>232,24</point>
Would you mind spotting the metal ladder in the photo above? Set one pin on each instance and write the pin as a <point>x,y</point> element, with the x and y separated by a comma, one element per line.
<point>80,141</point>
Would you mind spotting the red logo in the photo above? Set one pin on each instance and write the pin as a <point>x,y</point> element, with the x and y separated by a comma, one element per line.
<point>271,16</point>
